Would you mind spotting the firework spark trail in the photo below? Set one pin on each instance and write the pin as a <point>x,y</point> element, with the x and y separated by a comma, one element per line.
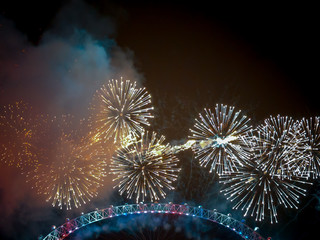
<point>178,148</point>
<point>311,166</point>
<point>72,168</point>
<point>18,135</point>
<point>258,193</point>
<point>145,167</point>
<point>280,146</point>
<point>219,139</point>
<point>120,109</point>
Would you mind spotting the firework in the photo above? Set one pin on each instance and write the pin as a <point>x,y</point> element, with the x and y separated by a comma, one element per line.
<point>144,168</point>
<point>71,170</point>
<point>311,164</point>
<point>219,139</point>
<point>179,148</point>
<point>17,135</point>
<point>280,146</point>
<point>259,193</point>
<point>120,109</point>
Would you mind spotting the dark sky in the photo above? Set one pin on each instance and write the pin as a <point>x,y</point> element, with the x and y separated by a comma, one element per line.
<point>260,58</point>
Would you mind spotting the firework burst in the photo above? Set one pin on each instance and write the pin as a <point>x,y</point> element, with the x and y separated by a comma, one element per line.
<point>311,164</point>
<point>219,139</point>
<point>280,146</point>
<point>259,193</point>
<point>120,109</point>
<point>72,168</point>
<point>145,167</point>
<point>17,135</point>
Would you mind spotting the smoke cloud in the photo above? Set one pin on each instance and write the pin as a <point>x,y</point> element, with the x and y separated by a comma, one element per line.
<point>72,60</point>
<point>59,75</point>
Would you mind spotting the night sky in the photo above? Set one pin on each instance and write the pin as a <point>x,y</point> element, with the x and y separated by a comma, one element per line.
<point>260,58</point>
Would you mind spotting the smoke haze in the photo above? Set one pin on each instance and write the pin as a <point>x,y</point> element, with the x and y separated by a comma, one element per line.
<point>56,76</point>
<point>72,60</point>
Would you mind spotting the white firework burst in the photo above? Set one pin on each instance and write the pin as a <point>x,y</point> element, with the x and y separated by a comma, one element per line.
<point>259,193</point>
<point>280,146</point>
<point>145,167</point>
<point>310,167</point>
<point>120,109</point>
<point>219,139</point>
